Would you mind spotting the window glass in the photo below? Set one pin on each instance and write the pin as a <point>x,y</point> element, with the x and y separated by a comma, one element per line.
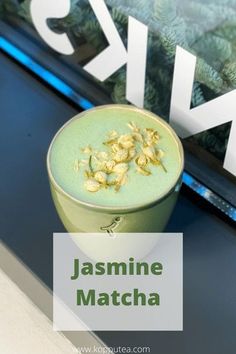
<point>206,29</point>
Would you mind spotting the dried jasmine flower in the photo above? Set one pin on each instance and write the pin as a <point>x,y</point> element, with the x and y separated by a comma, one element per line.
<point>151,133</point>
<point>92,185</point>
<point>87,150</point>
<point>121,168</point>
<point>110,142</point>
<point>112,181</point>
<point>113,134</point>
<point>116,147</point>
<point>156,162</point>
<point>110,168</point>
<point>88,174</point>
<point>102,155</point>
<point>143,171</point>
<point>159,154</point>
<point>109,165</point>
<point>126,141</point>
<point>100,177</point>
<point>138,137</point>
<point>120,181</point>
<point>142,160</point>
<point>133,127</point>
<point>149,151</point>
<point>121,155</point>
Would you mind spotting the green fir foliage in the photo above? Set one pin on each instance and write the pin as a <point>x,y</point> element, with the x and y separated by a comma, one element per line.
<point>205,28</point>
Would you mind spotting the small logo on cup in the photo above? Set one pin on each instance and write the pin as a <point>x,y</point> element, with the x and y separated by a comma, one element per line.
<point>114,224</point>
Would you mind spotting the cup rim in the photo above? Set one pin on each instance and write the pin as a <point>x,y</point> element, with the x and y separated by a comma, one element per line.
<point>114,209</point>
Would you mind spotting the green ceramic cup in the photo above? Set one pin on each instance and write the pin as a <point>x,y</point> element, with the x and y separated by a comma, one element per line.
<point>80,216</point>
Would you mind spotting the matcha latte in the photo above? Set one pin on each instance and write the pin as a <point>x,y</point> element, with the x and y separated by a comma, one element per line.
<point>116,157</point>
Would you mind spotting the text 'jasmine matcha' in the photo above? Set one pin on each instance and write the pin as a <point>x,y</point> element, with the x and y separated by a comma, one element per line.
<point>116,298</point>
